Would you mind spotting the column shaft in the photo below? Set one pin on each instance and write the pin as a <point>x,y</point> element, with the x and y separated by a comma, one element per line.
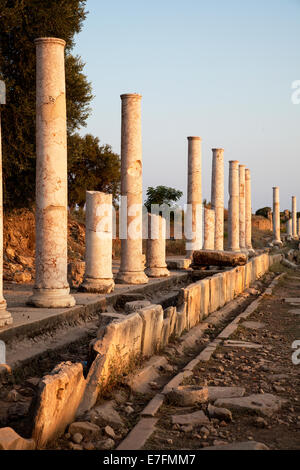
<point>98,240</point>
<point>294,217</point>
<point>233,209</point>
<point>194,191</point>
<point>276,215</point>
<point>209,229</point>
<point>217,196</point>
<point>242,214</point>
<point>132,265</point>
<point>51,286</point>
<point>156,247</point>
<point>248,205</point>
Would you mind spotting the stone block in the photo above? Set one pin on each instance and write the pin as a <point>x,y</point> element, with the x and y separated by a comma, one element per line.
<point>205,298</point>
<point>152,318</point>
<point>59,396</point>
<point>214,284</point>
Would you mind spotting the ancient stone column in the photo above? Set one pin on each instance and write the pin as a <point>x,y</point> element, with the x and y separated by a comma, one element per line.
<point>209,229</point>
<point>156,247</point>
<point>294,217</point>
<point>242,215</point>
<point>132,265</point>
<point>233,207</point>
<point>51,286</point>
<point>276,216</point>
<point>5,316</point>
<point>194,191</point>
<point>217,196</point>
<point>248,207</point>
<point>98,244</point>
<point>299,227</point>
<point>289,228</point>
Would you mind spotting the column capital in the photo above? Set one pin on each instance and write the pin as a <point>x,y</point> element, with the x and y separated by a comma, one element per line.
<point>194,138</point>
<point>49,41</point>
<point>218,150</point>
<point>126,96</point>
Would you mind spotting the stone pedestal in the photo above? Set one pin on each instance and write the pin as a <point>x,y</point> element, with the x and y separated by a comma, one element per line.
<point>5,316</point>
<point>294,218</point>
<point>51,286</point>
<point>98,276</point>
<point>276,216</point>
<point>194,191</point>
<point>248,209</point>
<point>156,247</point>
<point>209,229</point>
<point>242,215</point>
<point>217,196</point>
<point>233,207</point>
<point>132,265</point>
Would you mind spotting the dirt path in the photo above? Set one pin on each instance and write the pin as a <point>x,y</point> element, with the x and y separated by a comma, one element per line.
<point>263,371</point>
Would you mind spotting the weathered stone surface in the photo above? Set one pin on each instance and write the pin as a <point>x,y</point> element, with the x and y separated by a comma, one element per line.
<point>192,297</point>
<point>253,325</point>
<point>139,435</point>
<point>84,428</point>
<point>120,342</point>
<point>214,293</point>
<point>194,196</point>
<point>248,445</point>
<point>154,405</point>
<point>294,312</point>
<point>205,298</point>
<point>132,307</point>
<point>265,404</point>
<point>218,258</point>
<point>152,318</point>
<point>217,196</point>
<point>188,395</point>
<point>59,395</point>
<point>225,392</point>
<point>181,264</point>
<point>140,381</point>
<point>242,344</point>
<point>93,383</point>
<point>10,440</point>
<point>222,414</point>
<point>193,419</point>
<point>105,414</point>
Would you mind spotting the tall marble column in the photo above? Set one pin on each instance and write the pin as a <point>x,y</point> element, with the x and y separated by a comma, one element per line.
<point>294,217</point>
<point>98,244</point>
<point>156,247</point>
<point>217,196</point>
<point>5,316</point>
<point>209,229</point>
<point>276,216</point>
<point>194,191</point>
<point>51,286</point>
<point>242,182</point>
<point>248,206</point>
<point>233,207</point>
<point>289,228</point>
<point>132,263</point>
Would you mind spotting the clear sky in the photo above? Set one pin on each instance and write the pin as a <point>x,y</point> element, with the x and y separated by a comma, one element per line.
<point>220,69</point>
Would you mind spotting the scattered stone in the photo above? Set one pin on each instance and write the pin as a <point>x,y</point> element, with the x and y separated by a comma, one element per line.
<point>260,422</point>
<point>248,445</point>
<point>194,419</point>
<point>131,307</point>
<point>129,410</point>
<point>84,428</point>
<point>73,446</point>
<point>219,413</point>
<point>109,432</point>
<point>10,440</point>
<point>108,444</point>
<point>88,446</point>
<point>77,438</point>
<point>188,395</point>
<point>253,325</point>
<point>225,392</point>
<point>265,404</point>
<point>105,414</point>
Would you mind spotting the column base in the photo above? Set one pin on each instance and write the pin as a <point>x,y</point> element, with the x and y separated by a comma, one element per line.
<point>277,242</point>
<point>97,286</point>
<point>5,316</point>
<point>131,277</point>
<point>158,272</point>
<point>51,298</point>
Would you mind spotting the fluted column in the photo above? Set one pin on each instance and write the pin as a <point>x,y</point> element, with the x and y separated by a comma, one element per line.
<point>294,217</point>
<point>5,316</point>
<point>217,196</point>
<point>156,247</point>
<point>132,264</point>
<point>242,214</point>
<point>51,286</point>
<point>194,191</point>
<point>233,207</point>
<point>209,229</point>
<point>276,215</point>
<point>98,244</point>
<point>248,206</point>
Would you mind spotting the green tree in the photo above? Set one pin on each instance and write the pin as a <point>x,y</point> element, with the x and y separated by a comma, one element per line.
<point>92,167</point>
<point>21,22</point>
<point>162,195</point>
<point>264,212</point>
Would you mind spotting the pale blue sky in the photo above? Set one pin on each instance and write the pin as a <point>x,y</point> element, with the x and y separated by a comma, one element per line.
<point>220,69</point>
